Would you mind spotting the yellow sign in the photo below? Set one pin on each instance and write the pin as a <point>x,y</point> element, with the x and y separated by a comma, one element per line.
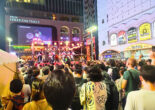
<point>139,46</point>
<point>145,31</point>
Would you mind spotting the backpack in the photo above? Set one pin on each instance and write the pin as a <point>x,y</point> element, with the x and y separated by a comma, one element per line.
<point>112,92</point>
<point>115,73</point>
<point>18,102</point>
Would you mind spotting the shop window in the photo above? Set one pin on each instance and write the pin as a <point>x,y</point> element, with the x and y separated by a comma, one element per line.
<point>64,33</point>
<point>76,34</point>
<point>64,18</point>
<point>75,19</point>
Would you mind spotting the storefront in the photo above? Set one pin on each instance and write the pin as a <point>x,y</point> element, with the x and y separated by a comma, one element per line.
<point>136,50</point>
<point>111,54</point>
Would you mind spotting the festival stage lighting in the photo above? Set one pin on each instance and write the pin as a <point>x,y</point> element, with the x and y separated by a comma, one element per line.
<point>55,43</point>
<point>60,43</point>
<point>67,42</point>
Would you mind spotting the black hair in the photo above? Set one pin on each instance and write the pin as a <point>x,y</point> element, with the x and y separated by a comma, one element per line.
<point>37,89</point>
<point>149,60</point>
<point>16,86</point>
<point>51,68</point>
<point>147,72</point>
<point>102,66</point>
<point>122,70</point>
<point>59,89</point>
<point>78,69</point>
<point>94,73</point>
<point>112,62</point>
<point>68,62</point>
<point>46,70</point>
<point>141,63</point>
<point>36,72</point>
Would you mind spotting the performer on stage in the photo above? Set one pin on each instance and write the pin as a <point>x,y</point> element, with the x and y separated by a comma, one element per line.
<point>39,56</point>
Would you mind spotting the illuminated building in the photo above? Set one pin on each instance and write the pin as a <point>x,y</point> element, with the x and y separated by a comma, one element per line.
<point>90,19</point>
<point>126,27</point>
<point>64,17</point>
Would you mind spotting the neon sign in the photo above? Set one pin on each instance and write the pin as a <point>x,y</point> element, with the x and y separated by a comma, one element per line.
<point>23,20</point>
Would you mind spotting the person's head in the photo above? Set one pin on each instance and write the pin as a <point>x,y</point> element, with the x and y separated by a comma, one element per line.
<point>59,89</point>
<point>37,90</point>
<point>148,73</point>
<point>78,69</point>
<point>112,62</point>
<point>46,70</point>
<point>16,86</point>
<point>148,62</point>
<point>51,68</point>
<point>36,72</point>
<point>102,66</point>
<point>131,62</point>
<point>94,73</point>
<point>121,71</point>
<point>23,70</point>
<point>140,64</point>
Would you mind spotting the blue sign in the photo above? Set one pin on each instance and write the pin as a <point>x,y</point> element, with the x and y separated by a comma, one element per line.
<point>108,56</point>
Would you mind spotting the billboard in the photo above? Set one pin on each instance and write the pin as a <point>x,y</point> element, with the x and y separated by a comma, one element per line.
<point>132,35</point>
<point>121,37</point>
<point>113,40</point>
<point>28,34</point>
<point>145,31</point>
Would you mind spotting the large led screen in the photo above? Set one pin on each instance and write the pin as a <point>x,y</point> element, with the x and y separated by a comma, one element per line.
<point>35,34</point>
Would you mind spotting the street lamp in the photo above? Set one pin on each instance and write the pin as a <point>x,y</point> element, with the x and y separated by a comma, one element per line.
<point>9,41</point>
<point>91,30</point>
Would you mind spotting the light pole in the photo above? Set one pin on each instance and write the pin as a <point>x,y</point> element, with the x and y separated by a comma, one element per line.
<point>91,30</point>
<point>9,41</point>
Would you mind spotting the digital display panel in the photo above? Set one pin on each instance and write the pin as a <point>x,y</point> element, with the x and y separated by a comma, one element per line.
<point>36,34</point>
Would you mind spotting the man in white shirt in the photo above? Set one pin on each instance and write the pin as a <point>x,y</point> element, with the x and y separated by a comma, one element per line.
<point>143,99</point>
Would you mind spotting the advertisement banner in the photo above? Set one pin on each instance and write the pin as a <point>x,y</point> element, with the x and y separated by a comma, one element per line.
<point>88,48</point>
<point>132,35</point>
<point>145,31</point>
<point>113,39</point>
<point>88,52</point>
<point>121,37</point>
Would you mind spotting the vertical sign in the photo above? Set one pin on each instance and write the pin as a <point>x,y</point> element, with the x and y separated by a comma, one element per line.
<point>121,37</point>
<point>145,31</point>
<point>132,35</point>
<point>113,40</point>
<point>88,48</point>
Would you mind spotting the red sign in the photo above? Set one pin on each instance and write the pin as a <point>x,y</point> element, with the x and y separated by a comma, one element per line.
<point>88,49</point>
<point>88,52</point>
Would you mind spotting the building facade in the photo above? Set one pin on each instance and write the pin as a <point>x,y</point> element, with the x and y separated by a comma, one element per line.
<point>64,17</point>
<point>2,24</point>
<point>126,28</point>
<point>90,19</point>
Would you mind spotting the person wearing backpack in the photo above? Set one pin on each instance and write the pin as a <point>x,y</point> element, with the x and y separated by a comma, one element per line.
<point>78,83</point>
<point>112,92</point>
<point>113,71</point>
<point>143,99</point>
<point>131,79</point>
<point>16,102</point>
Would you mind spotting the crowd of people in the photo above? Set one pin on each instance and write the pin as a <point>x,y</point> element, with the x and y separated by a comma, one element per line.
<point>87,85</point>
